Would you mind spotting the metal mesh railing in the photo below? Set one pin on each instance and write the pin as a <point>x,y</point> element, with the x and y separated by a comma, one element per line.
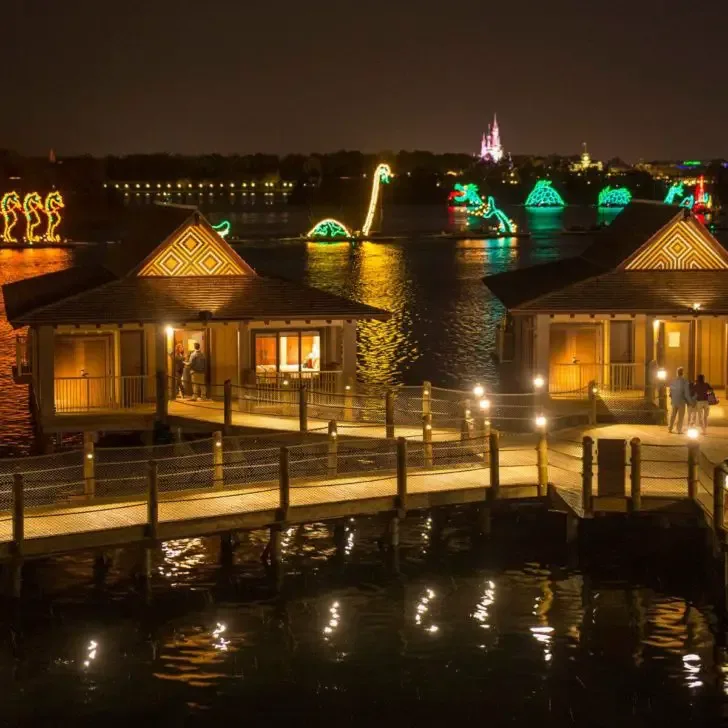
<point>664,470</point>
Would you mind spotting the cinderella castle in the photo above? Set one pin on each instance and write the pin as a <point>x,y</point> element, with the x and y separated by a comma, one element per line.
<point>491,149</point>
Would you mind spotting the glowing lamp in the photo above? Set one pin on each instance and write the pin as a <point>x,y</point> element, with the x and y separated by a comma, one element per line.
<point>169,331</point>
<point>484,404</point>
<point>595,390</point>
<point>696,307</point>
<point>693,433</point>
<point>661,375</point>
<point>538,382</point>
<point>89,456</point>
<point>540,422</point>
<point>333,434</point>
<point>478,390</point>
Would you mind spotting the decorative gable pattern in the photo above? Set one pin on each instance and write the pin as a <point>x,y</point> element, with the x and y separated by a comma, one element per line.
<point>195,251</point>
<point>682,245</point>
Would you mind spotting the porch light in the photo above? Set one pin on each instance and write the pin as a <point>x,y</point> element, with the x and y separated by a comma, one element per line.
<point>484,404</point>
<point>541,422</point>
<point>169,330</point>
<point>693,433</point>
<point>696,307</point>
<point>285,382</point>
<point>538,382</point>
<point>661,375</point>
<point>478,390</point>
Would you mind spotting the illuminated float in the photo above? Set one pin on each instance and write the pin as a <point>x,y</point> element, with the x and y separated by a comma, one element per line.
<point>468,197</point>
<point>42,218</point>
<point>331,230</point>
<point>544,195</point>
<point>614,197</point>
<point>223,228</point>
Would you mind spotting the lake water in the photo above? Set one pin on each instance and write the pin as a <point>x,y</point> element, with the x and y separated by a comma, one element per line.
<point>520,633</point>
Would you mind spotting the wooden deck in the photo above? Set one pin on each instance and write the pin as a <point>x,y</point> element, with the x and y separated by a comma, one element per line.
<point>459,474</point>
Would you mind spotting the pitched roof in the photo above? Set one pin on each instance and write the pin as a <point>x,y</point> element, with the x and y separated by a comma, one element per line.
<point>566,284</point>
<point>659,291</point>
<point>631,229</point>
<point>176,300</point>
<point>170,266</point>
<point>516,287</point>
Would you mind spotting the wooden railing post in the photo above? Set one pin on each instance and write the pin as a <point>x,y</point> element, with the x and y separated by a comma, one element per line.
<point>284,484</point>
<point>152,501</point>
<point>466,422</point>
<point>635,473</point>
<point>161,392</point>
<point>401,477</point>
<point>303,408</point>
<point>426,398</point>
<point>593,391</point>
<point>18,514</point>
<point>494,448</point>
<point>349,399</point>
<point>218,474</point>
<point>719,482</point>
<point>389,414</point>
<point>333,449</point>
<point>89,465</point>
<point>427,440</point>
<point>542,460</point>
<point>693,460</point>
<point>227,406</point>
<point>587,474</point>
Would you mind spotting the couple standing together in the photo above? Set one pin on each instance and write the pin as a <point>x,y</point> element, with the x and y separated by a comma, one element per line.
<point>192,369</point>
<point>696,398</point>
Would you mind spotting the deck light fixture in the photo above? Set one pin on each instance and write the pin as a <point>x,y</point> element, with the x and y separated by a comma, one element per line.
<point>538,382</point>
<point>541,422</point>
<point>696,307</point>
<point>693,433</point>
<point>661,375</point>
<point>484,404</point>
<point>478,390</point>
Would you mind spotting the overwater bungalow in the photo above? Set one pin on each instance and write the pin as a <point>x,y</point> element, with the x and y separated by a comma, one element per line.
<point>100,336</point>
<point>650,292</point>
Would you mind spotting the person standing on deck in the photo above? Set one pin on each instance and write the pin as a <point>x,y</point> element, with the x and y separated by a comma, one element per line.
<point>702,391</point>
<point>178,363</point>
<point>680,398</point>
<point>198,366</point>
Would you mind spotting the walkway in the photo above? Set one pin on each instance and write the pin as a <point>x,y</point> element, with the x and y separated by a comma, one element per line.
<point>72,501</point>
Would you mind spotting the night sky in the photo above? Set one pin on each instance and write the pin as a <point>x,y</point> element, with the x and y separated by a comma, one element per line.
<point>634,78</point>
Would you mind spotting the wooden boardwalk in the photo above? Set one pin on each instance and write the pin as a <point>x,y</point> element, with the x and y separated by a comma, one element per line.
<point>244,489</point>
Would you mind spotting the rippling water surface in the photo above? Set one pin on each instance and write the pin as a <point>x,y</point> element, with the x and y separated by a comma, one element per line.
<point>521,633</point>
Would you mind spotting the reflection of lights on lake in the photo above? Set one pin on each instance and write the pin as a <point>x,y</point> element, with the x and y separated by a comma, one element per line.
<point>91,653</point>
<point>543,635</point>
<point>422,609</point>
<point>218,641</point>
<point>349,545</point>
<point>334,619</point>
<point>481,610</point>
<point>692,667</point>
<point>286,540</point>
<point>426,533</point>
<point>180,556</point>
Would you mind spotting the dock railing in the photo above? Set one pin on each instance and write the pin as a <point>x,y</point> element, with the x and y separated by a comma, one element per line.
<point>85,394</point>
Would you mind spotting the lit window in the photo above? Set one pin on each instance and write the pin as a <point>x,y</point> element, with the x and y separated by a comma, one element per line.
<point>288,351</point>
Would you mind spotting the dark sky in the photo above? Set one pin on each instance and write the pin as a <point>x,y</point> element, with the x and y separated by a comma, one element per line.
<point>635,78</point>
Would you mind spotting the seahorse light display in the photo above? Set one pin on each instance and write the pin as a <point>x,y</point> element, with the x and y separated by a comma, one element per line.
<point>329,228</point>
<point>32,209</point>
<point>10,206</point>
<point>53,203</point>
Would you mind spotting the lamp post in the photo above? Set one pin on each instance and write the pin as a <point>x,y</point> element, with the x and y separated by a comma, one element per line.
<point>542,458</point>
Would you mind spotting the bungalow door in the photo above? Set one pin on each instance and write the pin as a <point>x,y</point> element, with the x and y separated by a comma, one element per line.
<point>574,356</point>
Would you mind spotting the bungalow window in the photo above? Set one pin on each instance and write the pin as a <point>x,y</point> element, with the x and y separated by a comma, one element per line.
<point>288,351</point>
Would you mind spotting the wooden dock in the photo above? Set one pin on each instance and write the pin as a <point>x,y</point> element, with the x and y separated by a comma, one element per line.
<point>105,498</point>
